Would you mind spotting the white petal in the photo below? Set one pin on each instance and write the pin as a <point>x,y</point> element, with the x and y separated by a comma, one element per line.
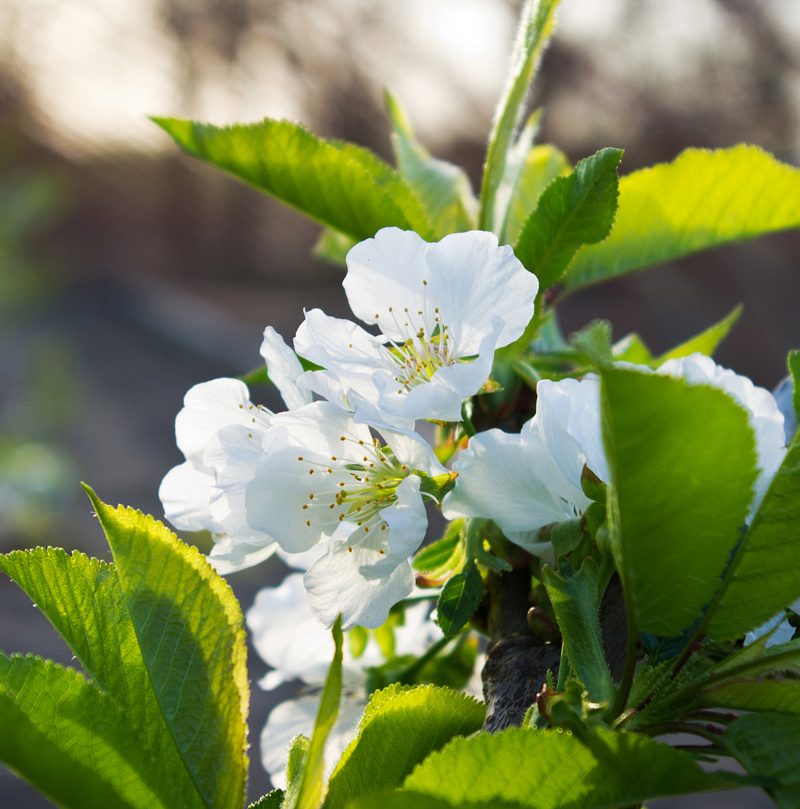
<point>350,356</point>
<point>302,561</point>
<point>335,585</point>
<point>568,419</point>
<point>474,280</point>
<point>412,449</point>
<point>231,555</point>
<point>233,453</point>
<point>210,406</point>
<point>185,493</point>
<point>289,718</point>
<point>407,523</point>
<point>441,398</point>
<point>283,368</point>
<point>287,636</point>
<point>512,480</point>
<point>384,272</point>
<point>328,341</point>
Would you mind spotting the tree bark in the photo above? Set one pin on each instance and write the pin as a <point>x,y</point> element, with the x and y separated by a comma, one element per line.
<point>517,661</point>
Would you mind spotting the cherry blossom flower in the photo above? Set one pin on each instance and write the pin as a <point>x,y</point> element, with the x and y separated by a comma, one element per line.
<point>323,476</point>
<point>443,309</point>
<point>219,430</point>
<point>511,479</point>
<point>289,638</point>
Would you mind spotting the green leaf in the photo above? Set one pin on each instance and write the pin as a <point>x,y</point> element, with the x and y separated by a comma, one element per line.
<point>441,187</point>
<point>440,554</point>
<point>84,601</point>
<point>188,627</point>
<point>764,575</point>
<point>459,599</point>
<point>756,695</point>
<point>682,463</point>
<point>537,22</point>
<point>312,784</point>
<point>748,663</point>
<point>707,341</point>
<point>397,734</point>
<point>72,742</point>
<point>702,199</point>
<point>548,769</point>
<point>415,800</point>
<point>541,166</point>
<point>594,342</point>
<point>576,601</point>
<point>343,186</point>
<point>572,211</point>
<point>566,536</point>
<point>272,800</point>
<point>333,246</point>
<point>768,744</point>
<point>793,361</point>
<point>631,348</point>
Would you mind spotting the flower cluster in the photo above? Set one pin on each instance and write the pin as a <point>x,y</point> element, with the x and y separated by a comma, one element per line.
<point>336,484</point>
<point>350,473</point>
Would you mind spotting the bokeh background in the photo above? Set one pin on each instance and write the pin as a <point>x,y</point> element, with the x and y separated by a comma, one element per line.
<point>129,273</point>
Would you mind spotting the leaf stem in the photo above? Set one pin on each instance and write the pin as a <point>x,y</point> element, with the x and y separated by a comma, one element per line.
<point>670,728</point>
<point>406,675</point>
<point>630,668</point>
<point>728,674</point>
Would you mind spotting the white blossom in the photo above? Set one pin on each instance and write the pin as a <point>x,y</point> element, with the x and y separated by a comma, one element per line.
<point>443,309</point>
<point>323,476</point>
<point>512,480</point>
<point>219,432</point>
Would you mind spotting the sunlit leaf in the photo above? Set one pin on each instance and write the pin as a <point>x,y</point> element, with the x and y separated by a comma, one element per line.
<point>396,734</point>
<point>549,769</point>
<point>459,600</point>
<point>541,166</point>
<point>537,22</point>
<point>311,787</point>
<point>343,186</point>
<point>682,461</point>
<point>702,199</point>
<point>764,576</point>
<point>442,188</point>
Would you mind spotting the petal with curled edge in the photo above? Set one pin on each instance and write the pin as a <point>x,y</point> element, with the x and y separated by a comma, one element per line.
<point>284,369</point>
<point>210,406</point>
<point>185,493</point>
<point>335,584</point>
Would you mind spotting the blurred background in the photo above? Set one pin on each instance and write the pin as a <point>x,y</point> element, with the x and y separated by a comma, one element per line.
<point>129,273</point>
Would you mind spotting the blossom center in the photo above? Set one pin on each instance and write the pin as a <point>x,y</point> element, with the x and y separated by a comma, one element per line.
<point>428,347</point>
<point>355,485</point>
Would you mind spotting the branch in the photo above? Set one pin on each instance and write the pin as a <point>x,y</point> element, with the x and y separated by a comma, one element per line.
<point>517,661</point>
